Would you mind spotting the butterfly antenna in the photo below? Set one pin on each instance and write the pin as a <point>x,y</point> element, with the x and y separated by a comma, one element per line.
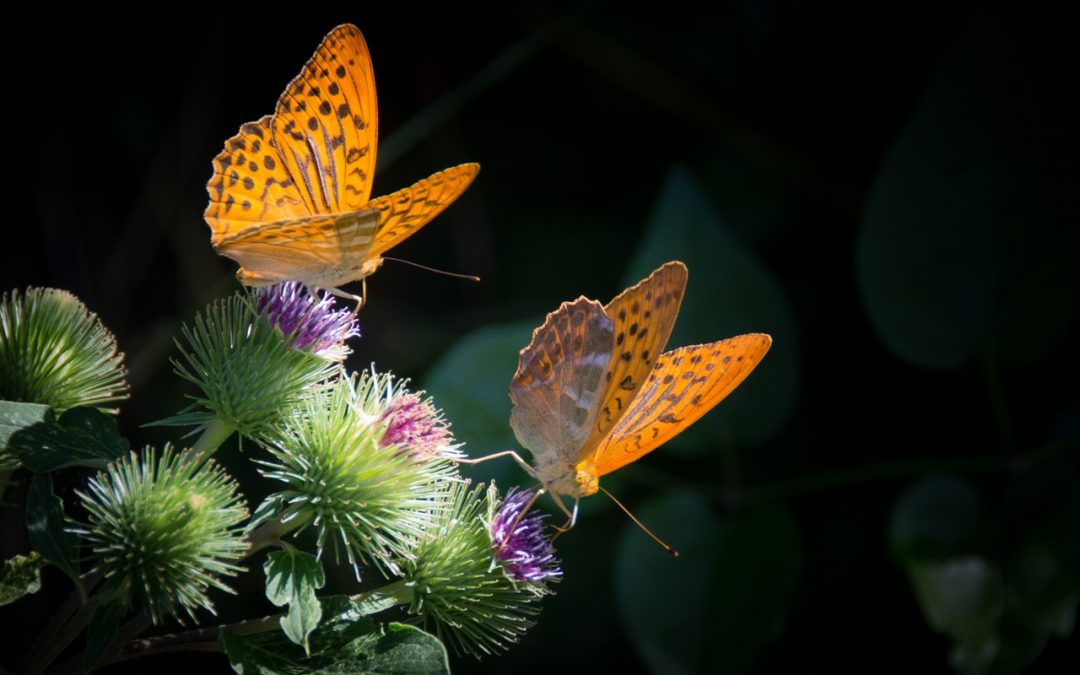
<point>470,277</point>
<point>658,540</point>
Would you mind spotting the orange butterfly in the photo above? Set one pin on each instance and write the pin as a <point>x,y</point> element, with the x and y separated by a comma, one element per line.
<point>592,391</point>
<point>289,198</point>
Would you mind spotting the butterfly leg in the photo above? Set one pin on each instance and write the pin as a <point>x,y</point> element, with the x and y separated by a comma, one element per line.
<point>358,299</point>
<point>505,453</point>
<point>571,516</point>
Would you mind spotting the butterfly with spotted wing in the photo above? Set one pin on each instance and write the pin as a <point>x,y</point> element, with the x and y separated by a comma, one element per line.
<point>289,196</point>
<point>593,392</point>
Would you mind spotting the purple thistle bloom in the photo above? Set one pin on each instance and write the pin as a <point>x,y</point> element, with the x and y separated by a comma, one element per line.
<point>312,322</point>
<point>417,427</point>
<point>519,540</point>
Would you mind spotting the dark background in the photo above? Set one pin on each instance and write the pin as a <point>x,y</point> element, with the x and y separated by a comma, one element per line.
<point>891,193</point>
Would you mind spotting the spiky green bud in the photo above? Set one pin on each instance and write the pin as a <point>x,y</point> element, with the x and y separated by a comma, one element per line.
<point>373,499</point>
<point>248,372</point>
<point>164,531</point>
<point>54,351</point>
<point>460,586</point>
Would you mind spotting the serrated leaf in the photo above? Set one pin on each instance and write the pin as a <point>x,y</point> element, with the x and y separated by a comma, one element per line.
<point>46,528</point>
<point>344,643</point>
<point>730,587</point>
<point>292,577</point>
<point>42,442</point>
<point>969,242</point>
<point>20,576</point>
<point>100,632</point>
<point>728,292</point>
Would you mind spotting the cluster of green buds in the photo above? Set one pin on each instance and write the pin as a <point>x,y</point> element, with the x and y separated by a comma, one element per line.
<point>361,461</point>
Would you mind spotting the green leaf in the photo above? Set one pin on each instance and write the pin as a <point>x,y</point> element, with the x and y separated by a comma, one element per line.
<point>345,643</point>
<point>20,576</point>
<point>83,437</point>
<point>401,650</point>
<point>729,292</point>
<point>470,383</point>
<point>100,632</point>
<point>730,587</point>
<point>292,577</point>
<point>969,240</point>
<point>45,525</point>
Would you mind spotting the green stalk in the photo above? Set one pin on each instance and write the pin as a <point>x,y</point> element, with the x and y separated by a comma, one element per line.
<point>215,433</point>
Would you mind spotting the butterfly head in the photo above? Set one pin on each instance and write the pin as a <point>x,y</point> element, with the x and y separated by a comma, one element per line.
<point>573,481</point>
<point>369,266</point>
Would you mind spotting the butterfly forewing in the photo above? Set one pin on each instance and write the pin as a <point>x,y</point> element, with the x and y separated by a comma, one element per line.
<point>404,212</point>
<point>642,317</point>
<point>684,385</point>
<point>556,389</point>
<point>250,185</point>
<point>326,124</point>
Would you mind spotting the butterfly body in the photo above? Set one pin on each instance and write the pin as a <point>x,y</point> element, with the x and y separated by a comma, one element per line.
<point>593,390</point>
<point>290,193</point>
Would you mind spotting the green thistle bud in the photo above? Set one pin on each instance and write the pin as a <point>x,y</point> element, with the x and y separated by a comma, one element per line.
<point>249,374</point>
<point>164,531</point>
<point>372,498</point>
<point>54,351</point>
<point>461,587</point>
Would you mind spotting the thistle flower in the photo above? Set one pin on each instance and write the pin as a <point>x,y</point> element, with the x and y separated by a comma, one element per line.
<point>311,322</point>
<point>373,499</point>
<point>519,540</point>
<point>164,531</point>
<point>459,583</point>
<point>410,423</point>
<point>54,351</point>
<point>249,375</point>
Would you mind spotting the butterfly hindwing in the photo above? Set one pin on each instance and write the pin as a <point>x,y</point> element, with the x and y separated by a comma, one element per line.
<point>250,185</point>
<point>404,212</point>
<point>684,385</point>
<point>642,317</point>
<point>326,124</point>
<point>557,387</point>
<point>320,250</point>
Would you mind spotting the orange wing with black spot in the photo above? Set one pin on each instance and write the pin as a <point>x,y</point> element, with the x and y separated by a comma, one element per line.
<point>642,317</point>
<point>250,185</point>
<point>326,124</point>
<point>684,385</point>
<point>404,212</point>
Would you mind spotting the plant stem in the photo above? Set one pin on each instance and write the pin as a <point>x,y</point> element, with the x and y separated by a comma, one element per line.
<point>33,659</point>
<point>206,639</point>
<point>211,439</point>
<point>272,531</point>
<point>380,599</point>
<point>59,641</point>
